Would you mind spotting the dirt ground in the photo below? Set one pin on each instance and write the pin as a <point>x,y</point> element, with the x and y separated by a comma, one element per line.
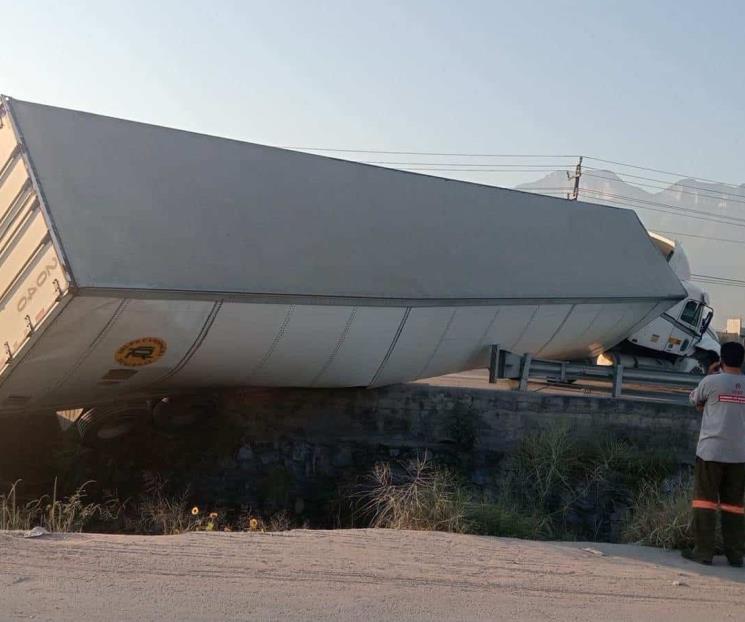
<point>365,575</point>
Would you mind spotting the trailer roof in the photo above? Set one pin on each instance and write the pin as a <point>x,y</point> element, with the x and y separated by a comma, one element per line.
<point>138,206</point>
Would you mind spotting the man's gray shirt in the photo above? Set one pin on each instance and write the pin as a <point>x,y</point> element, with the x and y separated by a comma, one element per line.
<point>722,437</point>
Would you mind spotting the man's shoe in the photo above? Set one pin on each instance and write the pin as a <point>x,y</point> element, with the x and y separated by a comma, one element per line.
<point>737,563</point>
<point>688,554</point>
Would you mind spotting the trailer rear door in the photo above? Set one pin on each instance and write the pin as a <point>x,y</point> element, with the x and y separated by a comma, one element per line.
<point>32,279</point>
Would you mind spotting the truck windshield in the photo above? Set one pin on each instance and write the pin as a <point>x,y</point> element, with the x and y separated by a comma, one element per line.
<point>691,313</point>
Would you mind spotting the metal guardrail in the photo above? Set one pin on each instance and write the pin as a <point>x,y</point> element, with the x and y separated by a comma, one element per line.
<point>505,364</point>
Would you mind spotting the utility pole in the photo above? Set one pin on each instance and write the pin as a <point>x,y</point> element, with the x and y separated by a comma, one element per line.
<point>574,194</point>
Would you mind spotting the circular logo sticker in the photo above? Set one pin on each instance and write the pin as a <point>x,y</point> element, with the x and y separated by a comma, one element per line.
<point>139,352</point>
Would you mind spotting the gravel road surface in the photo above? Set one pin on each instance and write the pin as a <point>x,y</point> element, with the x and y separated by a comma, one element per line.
<point>365,575</point>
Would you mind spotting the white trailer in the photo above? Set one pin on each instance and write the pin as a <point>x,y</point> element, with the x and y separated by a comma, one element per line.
<point>139,260</point>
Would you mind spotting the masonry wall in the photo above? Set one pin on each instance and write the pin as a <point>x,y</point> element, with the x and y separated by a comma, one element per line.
<point>293,448</point>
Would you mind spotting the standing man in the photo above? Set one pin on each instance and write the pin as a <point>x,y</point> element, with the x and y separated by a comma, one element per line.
<point>720,460</point>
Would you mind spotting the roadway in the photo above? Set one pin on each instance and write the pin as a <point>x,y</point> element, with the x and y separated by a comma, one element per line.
<point>354,575</point>
<point>479,379</point>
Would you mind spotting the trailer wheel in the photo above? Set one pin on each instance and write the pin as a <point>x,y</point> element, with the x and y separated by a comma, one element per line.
<point>102,424</point>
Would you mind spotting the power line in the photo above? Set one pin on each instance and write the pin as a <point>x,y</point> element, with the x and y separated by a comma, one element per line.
<point>715,280</point>
<point>552,166</point>
<point>636,203</point>
<point>473,170</point>
<point>509,155</point>
<point>490,167</point>
<point>557,167</point>
<point>564,192</point>
<point>701,192</point>
<point>703,237</point>
<point>657,170</point>
<point>675,184</point>
<point>452,168</point>
<point>665,208</point>
<point>704,282</point>
<point>697,194</point>
<point>669,213</point>
<point>521,168</point>
<point>436,153</point>
<point>623,203</point>
<point>718,278</point>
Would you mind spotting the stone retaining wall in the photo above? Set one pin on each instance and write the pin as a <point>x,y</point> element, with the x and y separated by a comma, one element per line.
<point>288,448</point>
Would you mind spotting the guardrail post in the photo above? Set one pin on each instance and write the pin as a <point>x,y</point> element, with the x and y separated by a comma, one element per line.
<point>617,380</point>
<point>525,372</point>
<point>493,363</point>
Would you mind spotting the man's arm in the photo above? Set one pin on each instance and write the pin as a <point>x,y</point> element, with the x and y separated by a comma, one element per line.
<point>698,396</point>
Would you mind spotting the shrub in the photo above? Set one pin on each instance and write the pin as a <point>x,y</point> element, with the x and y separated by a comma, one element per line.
<point>569,488</point>
<point>418,495</point>
<point>503,520</point>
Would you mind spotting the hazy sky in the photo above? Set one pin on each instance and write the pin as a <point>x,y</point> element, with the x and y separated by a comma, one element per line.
<point>654,83</point>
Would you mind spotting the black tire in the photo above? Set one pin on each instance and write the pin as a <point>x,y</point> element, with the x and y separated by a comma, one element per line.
<point>105,424</point>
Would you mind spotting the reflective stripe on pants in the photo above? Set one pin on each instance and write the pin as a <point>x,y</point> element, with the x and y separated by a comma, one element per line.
<point>702,504</point>
<point>732,509</point>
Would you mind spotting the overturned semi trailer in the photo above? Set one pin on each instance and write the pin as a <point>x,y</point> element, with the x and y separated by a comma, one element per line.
<point>141,260</point>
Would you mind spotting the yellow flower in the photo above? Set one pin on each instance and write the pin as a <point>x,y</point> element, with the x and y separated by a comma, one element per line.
<point>253,524</point>
<point>194,511</point>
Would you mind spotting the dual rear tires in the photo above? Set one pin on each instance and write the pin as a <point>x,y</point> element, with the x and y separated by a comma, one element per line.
<point>102,425</point>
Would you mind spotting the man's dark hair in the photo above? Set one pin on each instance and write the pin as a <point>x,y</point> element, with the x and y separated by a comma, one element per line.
<point>733,354</point>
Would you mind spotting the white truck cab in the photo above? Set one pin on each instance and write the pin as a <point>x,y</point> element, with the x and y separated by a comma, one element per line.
<point>680,338</point>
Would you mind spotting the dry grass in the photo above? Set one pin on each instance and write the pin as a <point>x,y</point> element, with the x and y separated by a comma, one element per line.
<point>13,515</point>
<point>419,496</point>
<point>159,512</point>
<point>55,513</point>
<point>661,515</point>
<point>156,513</point>
<point>279,522</point>
<point>166,515</point>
